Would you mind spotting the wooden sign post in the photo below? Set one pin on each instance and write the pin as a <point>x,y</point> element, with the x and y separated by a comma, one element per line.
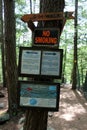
<point>42,63</point>
<point>47,16</point>
<point>30,18</point>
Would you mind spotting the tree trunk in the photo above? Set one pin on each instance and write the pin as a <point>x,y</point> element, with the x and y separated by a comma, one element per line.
<point>50,6</point>
<point>74,76</point>
<point>64,66</point>
<point>85,83</point>
<point>2,43</point>
<point>10,49</point>
<point>37,120</point>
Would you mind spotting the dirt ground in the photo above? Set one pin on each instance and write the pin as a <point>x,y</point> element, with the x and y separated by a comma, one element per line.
<point>72,113</point>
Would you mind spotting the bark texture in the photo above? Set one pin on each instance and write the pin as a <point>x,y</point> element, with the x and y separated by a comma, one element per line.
<point>2,42</point>
<point>75,62</point>
<point>36,120</point>
<point>51,6</point>
<point>10,49</point>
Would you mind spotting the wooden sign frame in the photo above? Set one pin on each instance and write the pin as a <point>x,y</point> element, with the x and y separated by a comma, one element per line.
<point>34,95</point>
<point>41,62</point>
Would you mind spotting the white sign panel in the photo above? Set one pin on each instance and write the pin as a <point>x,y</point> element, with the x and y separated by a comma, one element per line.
<point>50,63</point>
<point>30,63</point>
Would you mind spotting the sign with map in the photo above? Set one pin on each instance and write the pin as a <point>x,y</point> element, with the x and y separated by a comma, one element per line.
<point>38,94</point>
<point>40,62</point>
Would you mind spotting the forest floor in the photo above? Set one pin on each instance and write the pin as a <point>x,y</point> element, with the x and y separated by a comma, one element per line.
<point>72,113</point>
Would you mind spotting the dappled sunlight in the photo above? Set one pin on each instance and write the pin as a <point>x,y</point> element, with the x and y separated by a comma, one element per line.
<point>78,108</point>
<point>70,105</point>
<point>86,104</point>
<point>67,117</point>
<point>72,113</point>
<point>2,112</point>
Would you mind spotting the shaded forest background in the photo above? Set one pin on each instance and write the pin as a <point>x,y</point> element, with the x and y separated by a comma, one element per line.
<point>23,37</point>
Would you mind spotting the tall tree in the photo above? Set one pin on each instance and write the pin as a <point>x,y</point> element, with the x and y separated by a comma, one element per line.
<point>37,120</point>
<point>10,50</point>
<point>2,41</point>
<point>74,75</point>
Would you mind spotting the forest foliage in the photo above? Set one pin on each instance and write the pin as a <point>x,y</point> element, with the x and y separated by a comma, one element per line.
<point>24,37</point>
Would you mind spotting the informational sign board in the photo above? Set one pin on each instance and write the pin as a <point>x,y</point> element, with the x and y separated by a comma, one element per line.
<point>39,95</point>
<point>40,62</point>
<point>50,63</point>
<point>46,37</point>
<point>30,62</point>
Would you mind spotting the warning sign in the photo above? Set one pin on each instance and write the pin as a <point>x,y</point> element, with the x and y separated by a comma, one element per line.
<point>46,36</point>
